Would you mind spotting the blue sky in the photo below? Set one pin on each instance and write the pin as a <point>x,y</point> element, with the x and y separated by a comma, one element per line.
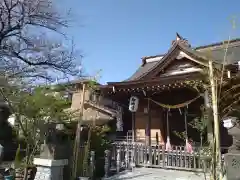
<point>113,35</point>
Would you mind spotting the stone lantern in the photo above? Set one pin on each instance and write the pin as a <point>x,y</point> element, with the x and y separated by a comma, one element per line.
<point>54,153</point>
<point>232,158</point>
<point>55,146</point>
<point>233,127</point>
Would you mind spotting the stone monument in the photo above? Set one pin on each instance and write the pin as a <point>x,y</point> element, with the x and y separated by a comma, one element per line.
<point>53,156</point>
<point>232,158</point>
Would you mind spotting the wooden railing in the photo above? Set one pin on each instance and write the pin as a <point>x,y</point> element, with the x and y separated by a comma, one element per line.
<point>127,155</point>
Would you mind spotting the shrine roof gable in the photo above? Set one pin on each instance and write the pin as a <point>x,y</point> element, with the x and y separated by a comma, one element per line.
<point>200,55</point>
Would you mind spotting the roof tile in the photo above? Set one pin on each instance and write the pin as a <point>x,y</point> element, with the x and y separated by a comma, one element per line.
<point>217,52</point>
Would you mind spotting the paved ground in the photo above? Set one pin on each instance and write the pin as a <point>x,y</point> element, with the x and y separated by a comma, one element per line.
<point>157,174</point>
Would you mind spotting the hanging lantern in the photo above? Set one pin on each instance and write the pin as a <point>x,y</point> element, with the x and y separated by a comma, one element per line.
<point>119,122</point>
<point>133,104</point>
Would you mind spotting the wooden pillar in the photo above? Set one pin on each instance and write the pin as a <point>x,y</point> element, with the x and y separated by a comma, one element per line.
<point>134,126</point>
<point>148,126</point>
<point>209,117</point>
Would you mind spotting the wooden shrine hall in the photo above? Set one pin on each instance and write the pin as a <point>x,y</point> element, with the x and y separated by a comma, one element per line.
<point>173,91</point>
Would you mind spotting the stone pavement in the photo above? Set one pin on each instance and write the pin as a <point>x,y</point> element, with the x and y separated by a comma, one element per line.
<point>158,174</point>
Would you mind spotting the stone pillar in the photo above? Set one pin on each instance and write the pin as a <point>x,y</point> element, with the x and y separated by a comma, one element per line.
<point>48,169</point>
<point>107,163</point>
<point>1,152</point>
<point>118,160</point>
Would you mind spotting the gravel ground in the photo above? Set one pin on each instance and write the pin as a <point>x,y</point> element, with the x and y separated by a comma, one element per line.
<point>157,174</point>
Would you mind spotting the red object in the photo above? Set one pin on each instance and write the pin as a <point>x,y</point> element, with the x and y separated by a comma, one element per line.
<point>189,147</point>
<point>168,145</point>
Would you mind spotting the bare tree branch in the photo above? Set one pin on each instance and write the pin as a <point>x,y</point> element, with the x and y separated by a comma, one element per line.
<point>24,48</point>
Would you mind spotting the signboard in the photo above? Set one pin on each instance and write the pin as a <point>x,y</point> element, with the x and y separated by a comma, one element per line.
<point>133,104</point>
<point>232,162</point>
<point>119,119</point>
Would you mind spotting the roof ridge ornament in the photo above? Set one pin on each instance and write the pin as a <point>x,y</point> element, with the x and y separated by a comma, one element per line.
<point>180,39</point>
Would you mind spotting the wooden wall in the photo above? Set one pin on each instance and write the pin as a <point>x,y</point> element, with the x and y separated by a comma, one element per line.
<point>156,123</point>
<point>176,117</point>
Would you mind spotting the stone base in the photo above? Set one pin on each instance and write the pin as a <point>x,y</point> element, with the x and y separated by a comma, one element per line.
<point>49,169</point>
<point>232,162</point>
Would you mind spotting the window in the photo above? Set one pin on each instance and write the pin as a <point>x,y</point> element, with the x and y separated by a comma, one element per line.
<point>68,96</point>
<point>95,97</point>
<point>92,97</point>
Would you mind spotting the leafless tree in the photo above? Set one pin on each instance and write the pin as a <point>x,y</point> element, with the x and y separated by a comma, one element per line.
<point>31,47</point>
<point>26,48</point>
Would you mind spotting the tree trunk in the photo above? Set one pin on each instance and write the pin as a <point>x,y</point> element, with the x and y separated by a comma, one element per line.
<point>77,139</point>
<point>217,151</point>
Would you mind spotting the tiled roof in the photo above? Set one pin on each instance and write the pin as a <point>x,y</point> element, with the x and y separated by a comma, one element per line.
<point>142,70</point>
<point>232,55</point>
<point>218,44</point>
<point>216,51</point>
<point>78,81</point>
